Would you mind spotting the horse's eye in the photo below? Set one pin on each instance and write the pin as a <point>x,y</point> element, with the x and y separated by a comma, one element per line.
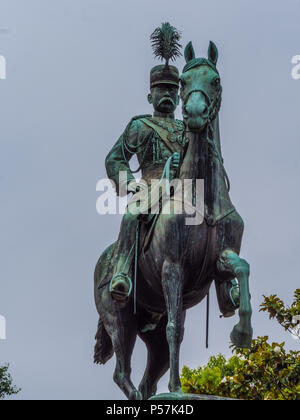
<point>216,81</point>
<point>182,83</point>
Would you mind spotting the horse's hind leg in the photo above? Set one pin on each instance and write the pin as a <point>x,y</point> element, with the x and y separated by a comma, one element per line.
<point>157,359</point>
<point>123,331</point>
<point>172,283</point>
<point>230,262</point>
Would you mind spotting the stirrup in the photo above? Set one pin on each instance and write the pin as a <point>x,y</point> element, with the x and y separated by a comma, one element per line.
<point>117,294</point>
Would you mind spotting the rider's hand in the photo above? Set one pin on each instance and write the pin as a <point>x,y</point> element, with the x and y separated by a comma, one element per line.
<point>175,160</point>
<point>135,186</point>
<point>132,189</point>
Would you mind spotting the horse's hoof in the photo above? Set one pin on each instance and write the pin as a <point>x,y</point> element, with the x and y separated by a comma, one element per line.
<point>241,338</point>
<point>146,393</point>
<point>175,388</point>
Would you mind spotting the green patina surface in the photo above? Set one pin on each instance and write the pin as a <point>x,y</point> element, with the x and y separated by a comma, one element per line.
<point>181,261</point>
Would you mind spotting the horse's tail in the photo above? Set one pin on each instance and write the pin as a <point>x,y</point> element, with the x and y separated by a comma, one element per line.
<point>103,347</point>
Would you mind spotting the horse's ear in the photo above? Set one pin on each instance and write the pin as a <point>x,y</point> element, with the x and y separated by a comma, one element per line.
<point>212,53</point>
<point>189,53</point>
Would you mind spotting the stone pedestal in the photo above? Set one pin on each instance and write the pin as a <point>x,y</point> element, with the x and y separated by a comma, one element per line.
<point>181,396</point>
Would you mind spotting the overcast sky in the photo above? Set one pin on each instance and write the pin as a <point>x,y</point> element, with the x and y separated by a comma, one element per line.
<point>77,71</point>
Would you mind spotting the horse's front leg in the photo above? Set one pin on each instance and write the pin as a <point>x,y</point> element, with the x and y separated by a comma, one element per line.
<point>229,261</point>
<point>172,282</point>
<point>122,329</point>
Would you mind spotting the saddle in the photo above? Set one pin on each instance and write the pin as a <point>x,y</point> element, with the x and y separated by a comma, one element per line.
<point>106,262</point>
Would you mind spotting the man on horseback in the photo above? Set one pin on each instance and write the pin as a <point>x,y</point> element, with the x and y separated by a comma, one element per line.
<point>181,261</point>
<point>155,140</point>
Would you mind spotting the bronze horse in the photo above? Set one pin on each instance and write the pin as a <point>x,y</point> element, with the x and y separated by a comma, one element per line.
<point>182,260</point>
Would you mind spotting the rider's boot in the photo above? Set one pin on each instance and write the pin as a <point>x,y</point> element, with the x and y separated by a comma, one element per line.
<point>120,285</point>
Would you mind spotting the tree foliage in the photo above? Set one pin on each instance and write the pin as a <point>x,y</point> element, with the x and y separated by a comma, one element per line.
<point>263,372</point>
<point>6,386</point>
<point>287,316</point>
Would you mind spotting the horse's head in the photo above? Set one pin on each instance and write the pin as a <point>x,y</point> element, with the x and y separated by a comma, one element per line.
<point>200,88</point>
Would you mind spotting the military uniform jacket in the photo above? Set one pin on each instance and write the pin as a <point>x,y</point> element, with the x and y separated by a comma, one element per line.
<point>153,140</point>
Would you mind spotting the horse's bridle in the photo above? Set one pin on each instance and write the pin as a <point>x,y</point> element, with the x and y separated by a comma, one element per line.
<point>213,109</point>
<point>213,104</point>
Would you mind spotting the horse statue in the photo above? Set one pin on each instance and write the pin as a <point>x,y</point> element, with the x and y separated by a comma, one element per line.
<point>182,260</point>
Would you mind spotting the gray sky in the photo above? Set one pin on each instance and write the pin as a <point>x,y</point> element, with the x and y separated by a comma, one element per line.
<point>77,71</point>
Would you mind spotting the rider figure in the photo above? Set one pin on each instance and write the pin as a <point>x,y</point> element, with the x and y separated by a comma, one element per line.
<point>154,139</point>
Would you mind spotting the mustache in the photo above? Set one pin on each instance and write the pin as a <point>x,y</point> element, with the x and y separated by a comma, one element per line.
<point>165,99</point>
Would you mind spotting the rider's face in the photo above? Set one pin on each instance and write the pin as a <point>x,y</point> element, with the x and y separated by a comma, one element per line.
<point>164,98</point>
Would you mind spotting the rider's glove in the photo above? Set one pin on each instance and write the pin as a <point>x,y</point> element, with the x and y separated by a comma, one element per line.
<point>175,160</point>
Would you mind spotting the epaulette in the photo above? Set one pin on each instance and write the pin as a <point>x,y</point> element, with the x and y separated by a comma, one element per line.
<point>137,117</point>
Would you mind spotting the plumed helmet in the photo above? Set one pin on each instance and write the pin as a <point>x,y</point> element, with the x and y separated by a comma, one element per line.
<point>166,46</point>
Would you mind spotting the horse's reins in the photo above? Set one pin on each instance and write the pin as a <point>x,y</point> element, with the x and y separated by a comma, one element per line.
<point>212,111</point>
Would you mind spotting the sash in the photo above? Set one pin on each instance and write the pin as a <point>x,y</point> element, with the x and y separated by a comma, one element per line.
<point>163,134</point>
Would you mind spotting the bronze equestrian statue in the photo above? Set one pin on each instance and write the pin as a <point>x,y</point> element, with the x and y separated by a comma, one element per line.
<point>176,265</point>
